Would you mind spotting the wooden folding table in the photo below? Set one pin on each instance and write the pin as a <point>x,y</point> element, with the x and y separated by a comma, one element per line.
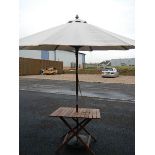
<point>82,118</point>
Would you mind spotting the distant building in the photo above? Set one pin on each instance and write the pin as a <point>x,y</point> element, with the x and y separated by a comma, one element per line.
<point>67,57</point>
<point>123,62</point>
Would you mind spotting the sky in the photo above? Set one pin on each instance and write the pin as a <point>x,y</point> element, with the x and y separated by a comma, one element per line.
<point>113,15</point>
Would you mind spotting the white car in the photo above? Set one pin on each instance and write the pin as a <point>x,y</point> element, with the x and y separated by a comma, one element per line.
<point>110,72</point>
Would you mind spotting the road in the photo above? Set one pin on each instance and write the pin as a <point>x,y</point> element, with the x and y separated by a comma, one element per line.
<point>40,134</point>
<point>122,92</point>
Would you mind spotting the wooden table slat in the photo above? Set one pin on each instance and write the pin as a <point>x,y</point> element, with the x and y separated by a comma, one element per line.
<point>78,114</point>
<point>61,112</point>
<point>94,113</point>
<point>65,111</point>
<point>71,112</point>
<point>55,113</point>
<point>83,112</point>
<point>87,113</point>
<point>91,114</point>
<point>98,113</point>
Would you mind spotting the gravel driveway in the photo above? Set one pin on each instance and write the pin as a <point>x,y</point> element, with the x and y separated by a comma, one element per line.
<point>85,78</point>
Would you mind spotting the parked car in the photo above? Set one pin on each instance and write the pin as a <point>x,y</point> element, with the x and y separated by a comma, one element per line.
<point>49,71</point>
<point>110,72</point>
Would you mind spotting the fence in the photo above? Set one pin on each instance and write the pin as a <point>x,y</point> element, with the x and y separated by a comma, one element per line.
<point>29,66</point>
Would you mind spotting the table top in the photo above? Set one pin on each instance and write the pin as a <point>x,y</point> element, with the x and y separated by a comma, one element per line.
<point>71,113</point>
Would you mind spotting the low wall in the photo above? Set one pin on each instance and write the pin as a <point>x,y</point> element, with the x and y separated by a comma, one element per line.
<point>29,66</point>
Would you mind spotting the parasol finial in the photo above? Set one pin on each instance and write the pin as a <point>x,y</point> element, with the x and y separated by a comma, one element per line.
<point>77,17</point>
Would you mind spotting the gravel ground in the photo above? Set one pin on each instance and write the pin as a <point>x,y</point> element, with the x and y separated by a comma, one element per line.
<point>40,134</point>
<point>86,78</point>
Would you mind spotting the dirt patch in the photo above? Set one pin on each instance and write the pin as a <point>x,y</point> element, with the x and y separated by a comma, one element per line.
<point>85,78</point>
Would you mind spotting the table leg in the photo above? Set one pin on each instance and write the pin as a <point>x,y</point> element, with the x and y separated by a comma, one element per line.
<point>86,131</point>
<point>72,130</point>
<point>75,131</point>
<point>86,146</point>
<point>93,137</point>
<point>80,139</point>
<point>75,126</point>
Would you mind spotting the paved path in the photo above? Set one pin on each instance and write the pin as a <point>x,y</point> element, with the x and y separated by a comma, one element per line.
<point>85,78</point>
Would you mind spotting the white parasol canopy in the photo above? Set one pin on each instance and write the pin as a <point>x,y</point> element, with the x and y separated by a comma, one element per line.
<point>76,33</point>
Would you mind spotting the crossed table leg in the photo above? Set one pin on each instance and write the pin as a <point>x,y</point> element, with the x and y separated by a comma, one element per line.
<point>74,132</point>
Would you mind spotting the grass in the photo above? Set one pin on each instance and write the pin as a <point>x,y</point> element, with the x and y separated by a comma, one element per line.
<point>126,70</point>
<point>123,70</point>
